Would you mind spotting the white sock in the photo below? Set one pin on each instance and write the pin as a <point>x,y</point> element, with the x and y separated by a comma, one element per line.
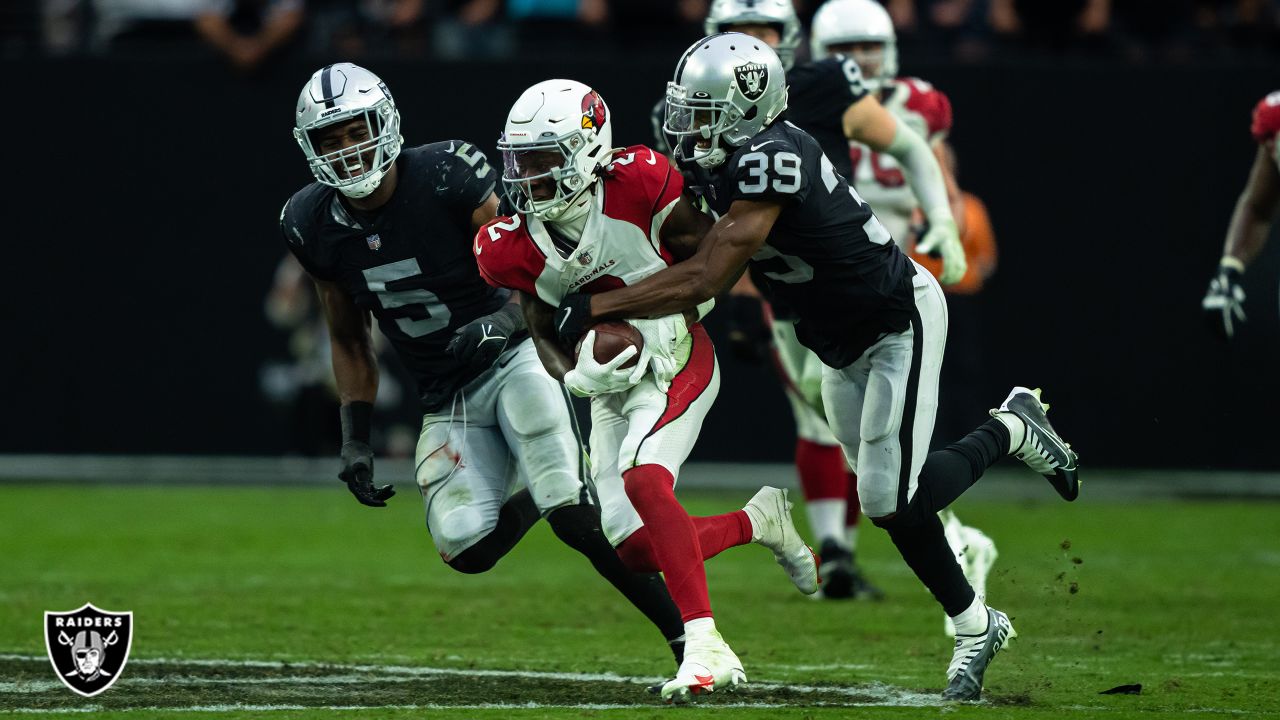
<point>826,518</point>
<point>698,627</point>
<point>851,537</point>
<point>972,621</point>
<point>1017,429</point>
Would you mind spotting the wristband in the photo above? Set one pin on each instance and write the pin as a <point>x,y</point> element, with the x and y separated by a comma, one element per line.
<point>357,418</point>
<point>1231,262</point>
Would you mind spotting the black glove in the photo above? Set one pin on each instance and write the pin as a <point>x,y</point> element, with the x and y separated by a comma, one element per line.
<point>357,456</point>
<point>1223,304</point>
<point>479,343</point>
<point>749,335</point>
<point>573,318</point>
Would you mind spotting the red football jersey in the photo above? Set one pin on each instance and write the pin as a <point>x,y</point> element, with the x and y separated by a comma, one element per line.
<point>621,241</point>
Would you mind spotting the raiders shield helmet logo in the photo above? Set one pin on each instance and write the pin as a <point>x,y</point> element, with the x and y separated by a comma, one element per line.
<point>752,78</point>
<point>88,647</point>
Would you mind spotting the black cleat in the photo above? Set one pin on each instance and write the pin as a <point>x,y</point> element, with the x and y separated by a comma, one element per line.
<point>841,578</point>
<point>1042,449</point>
<point>972,656</point>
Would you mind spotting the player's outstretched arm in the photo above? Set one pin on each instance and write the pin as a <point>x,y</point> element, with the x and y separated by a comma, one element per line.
<point>946,156</point>
<point>868,122</point>
<point>1255,210</point>
<point>540,317</point>
<point>721,257</point>
<point>356,371</point>
<point>1251,221</point>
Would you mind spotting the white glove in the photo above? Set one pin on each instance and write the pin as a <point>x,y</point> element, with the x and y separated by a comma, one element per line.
<point>662,337</point>
<point>705,308</point>
<point>944,239</point>
<point>590,378</point>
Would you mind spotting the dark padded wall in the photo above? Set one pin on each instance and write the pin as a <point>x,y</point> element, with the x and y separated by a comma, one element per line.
<point>142,201</point>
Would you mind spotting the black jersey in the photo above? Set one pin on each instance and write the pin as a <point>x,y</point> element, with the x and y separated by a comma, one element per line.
<point>410,262</point>
<point>827,259</point>
<point>818,94</point>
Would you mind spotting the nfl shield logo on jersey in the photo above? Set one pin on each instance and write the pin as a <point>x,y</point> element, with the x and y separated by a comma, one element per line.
<point>753,78</point>
<point>88,647</point>
<point>375,242</point>
<point>584,258</point>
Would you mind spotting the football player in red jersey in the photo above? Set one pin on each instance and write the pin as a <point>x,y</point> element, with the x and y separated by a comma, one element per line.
<point>588,218</point>
<point>1250,223</point>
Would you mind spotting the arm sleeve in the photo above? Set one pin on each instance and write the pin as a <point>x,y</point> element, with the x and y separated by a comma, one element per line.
<point>922,170</point>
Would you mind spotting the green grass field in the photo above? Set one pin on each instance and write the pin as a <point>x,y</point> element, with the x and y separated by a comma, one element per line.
<point>299,603</point>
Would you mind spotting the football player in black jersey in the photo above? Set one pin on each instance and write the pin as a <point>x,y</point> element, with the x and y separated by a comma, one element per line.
<point>876,319</point>
<point>388,232</point>
<point>829,99</point>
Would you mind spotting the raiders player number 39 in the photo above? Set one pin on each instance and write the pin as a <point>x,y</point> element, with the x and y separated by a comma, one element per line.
<point>876,319</point>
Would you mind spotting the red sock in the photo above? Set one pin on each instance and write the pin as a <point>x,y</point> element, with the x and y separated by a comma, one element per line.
<point>716,534</point>
<point>853,510</point>
<point>822,470</point>
<point>678,554</point>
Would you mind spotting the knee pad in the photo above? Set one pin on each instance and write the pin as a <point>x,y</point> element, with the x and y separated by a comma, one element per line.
<point>881,416</point>
<point>475,559</point>
<point>910,516</point>
<point>540,412</point>
<point>577,526</point>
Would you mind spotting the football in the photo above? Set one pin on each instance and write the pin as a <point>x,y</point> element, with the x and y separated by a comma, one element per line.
<point>612,337</point>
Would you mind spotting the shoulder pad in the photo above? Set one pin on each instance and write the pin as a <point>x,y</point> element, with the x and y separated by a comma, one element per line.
<point>930,103</point>
<point>1266,118</point>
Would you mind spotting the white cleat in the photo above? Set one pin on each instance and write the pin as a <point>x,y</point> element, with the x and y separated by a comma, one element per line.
<point>975,552</point>
<point>772,527</point>
<point>709,665</point>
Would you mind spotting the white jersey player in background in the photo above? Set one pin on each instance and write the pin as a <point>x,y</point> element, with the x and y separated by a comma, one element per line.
<point>863,30</point>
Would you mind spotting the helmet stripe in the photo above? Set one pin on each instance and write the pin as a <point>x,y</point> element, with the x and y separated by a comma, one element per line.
<point>326,86</point>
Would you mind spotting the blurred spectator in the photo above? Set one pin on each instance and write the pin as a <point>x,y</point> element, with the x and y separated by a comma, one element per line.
<point>472,29</point>
<point>1250,26</point>
<point>303,387</point>
<point>378,28</point>
<point>145,25</point>
<point>1053,25</point>
<point>247,32</point>
<point>558,27</point>
<point>659,26</point>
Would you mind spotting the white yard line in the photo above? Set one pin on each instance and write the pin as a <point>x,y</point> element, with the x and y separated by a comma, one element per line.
<point>879,693</point>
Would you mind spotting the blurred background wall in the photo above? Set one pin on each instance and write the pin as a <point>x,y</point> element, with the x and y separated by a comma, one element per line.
<point>148,163</point>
